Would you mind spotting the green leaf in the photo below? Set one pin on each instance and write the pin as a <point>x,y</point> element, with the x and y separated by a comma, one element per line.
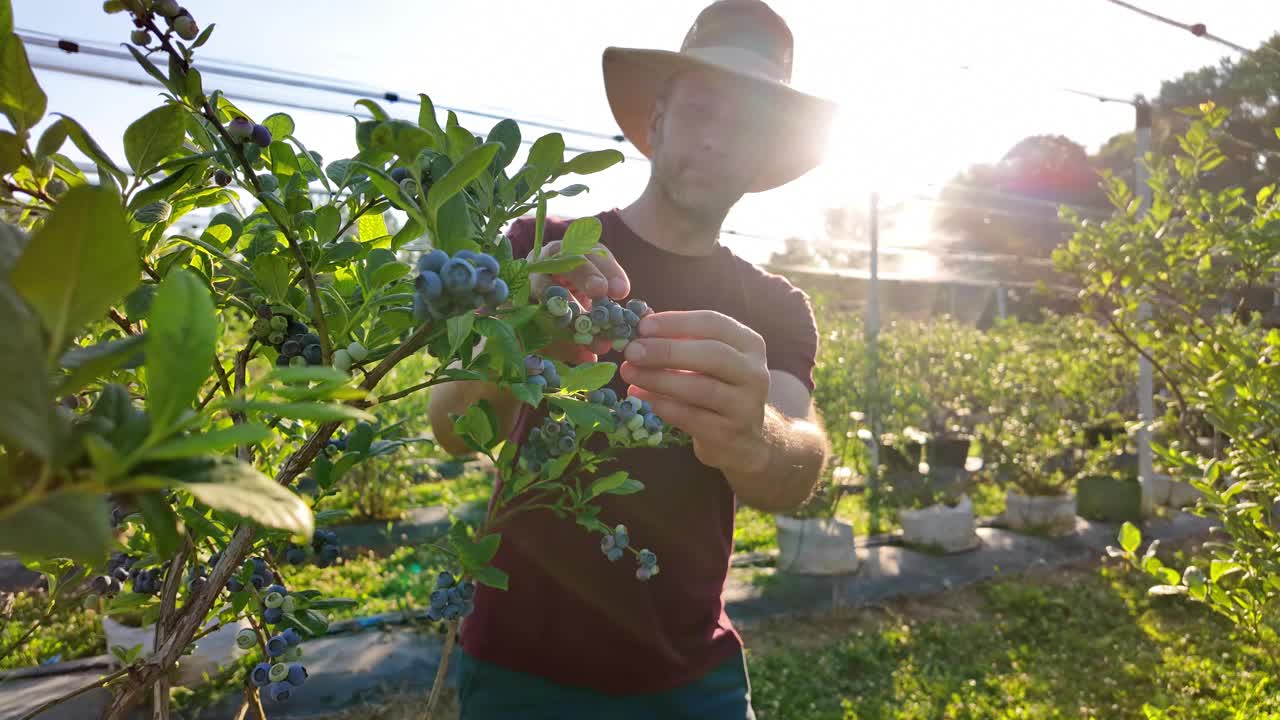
<point>491,576</point>
<point>630,486</point>
<point>279,124</point>
<point>79,263</point>
<point>69,524</point>
<point>453,226</point>
<point>318,412</point>
<point>6,20</point>
<point>86,364</point>
<point>214,440</point>
<point>308,375</point>
<point>153,137</point>
<point>607,484</point>
<point>468,168</point>
<point>371,227</point>
<point>388,273</point>
<point>391,189</point>
<point>375,109</point>
<point>477,553</point>
<point>237,487</point>
<point>507,134</point>
<point>272,274</point>
<point>527,393</point>
<point>475,426</point>
<point>182,338</point>
<point>10,152</point>
<point>581,236</point>
<point>162,524</point>
<point>25,401</point>
<point>427,117</point>
<point>556,265</point>
<point>331,603</point>
<point>407,234</point>
<point>1130,537</point>
<point>503,344</point>
<point>587,376</point>
<point>592,162</point>
<point>166,187</point>
<point>81,139</point>
<point>21,99</point>
<point>547,154</point>
<point>1219,569</point>
<point>400,137</point>
<point>583,414</point>
<point>51,139</point>
<point>459,328</point>
<point>328,220</point>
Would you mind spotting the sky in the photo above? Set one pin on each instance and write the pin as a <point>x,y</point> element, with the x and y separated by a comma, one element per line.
<point>910,116</point>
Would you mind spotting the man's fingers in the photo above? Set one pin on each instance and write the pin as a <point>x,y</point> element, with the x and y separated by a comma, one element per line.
<point>599,275</point>
<point>619,285</point>
<point>692,388</point>
<point>703,324</point>
<point>692,419</point>
<point>709,357</point>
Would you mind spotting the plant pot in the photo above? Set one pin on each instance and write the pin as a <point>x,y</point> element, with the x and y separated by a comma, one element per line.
<point>211,652</point>
<point>1053,514</point>
<point>815,546</point>
<point>1107,499</point>
<point>950,529</point>
<point>952,452</point>
<point>1172,493</point>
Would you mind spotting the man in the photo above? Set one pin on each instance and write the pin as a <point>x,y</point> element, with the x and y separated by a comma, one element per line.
<point>727,357</point>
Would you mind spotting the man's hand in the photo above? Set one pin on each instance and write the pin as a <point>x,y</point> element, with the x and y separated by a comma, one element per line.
<point>599,275</point>
<point>705,373</point>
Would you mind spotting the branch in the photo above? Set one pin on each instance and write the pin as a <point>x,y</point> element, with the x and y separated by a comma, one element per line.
<point>37,194</point>
<point>442,669</point>
<point>1168,379</point>
<point>120,320</point>
<point>408,391</point>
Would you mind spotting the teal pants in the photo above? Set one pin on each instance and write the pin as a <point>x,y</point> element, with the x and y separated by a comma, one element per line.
<point>490,692</point>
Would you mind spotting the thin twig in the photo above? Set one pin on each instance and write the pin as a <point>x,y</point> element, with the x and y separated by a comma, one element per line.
<point>442,669</point>
<point>38,194</point>
<point>120,320</point>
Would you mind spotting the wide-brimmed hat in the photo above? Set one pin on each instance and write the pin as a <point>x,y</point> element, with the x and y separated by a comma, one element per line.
<point>748,40</point>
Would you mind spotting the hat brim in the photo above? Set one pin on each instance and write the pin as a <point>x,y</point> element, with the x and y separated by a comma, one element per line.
<point>633,77</point>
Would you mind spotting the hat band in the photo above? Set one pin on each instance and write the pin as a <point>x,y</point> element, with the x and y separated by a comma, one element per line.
<point>738,60</point>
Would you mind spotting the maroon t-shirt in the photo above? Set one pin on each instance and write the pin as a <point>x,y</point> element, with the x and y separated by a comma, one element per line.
<point>570,615</point>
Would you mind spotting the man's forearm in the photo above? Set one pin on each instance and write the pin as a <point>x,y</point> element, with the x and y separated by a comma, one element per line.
<point>792,453</point>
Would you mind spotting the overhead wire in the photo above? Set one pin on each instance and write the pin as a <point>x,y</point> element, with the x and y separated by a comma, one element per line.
<point>1199,30</point>
<point>304,81</point>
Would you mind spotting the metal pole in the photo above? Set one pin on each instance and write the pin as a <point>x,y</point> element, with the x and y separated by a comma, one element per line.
<point>1002,302</point>
<point>1146,398</point>
<point>873,390</point>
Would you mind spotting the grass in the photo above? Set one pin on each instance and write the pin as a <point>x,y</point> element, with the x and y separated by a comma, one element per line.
<point>1083,644</point>
<point>400,581</point>
<point>70,633</point>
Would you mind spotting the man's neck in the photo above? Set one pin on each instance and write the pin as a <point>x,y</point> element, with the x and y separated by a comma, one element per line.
<point>668,227</point>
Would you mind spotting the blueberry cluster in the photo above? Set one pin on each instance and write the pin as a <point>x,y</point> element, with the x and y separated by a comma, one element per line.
<point>547,441</point>
<point>634,420</point>
<point>259,579</point>
<point>147,582</point>
<point>178,18</point>
<point>117,573</point>
<point>615,544</point>
<point>446,286</point>
<point>280,674</point>
<point>451,599</point>
<point>296,345</point>
<point>606,319</point>
<point>541,371</point>
<point>324,546</point>
<point>241,129</point>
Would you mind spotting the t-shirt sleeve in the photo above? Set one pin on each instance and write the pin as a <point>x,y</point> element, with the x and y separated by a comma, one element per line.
<point>521,236</point>
<point>790,331</point>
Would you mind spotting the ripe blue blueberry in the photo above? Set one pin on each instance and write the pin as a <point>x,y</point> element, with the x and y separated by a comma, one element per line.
<point>625,412</point>
<point>630,318</point>
<point>465,254</point>
<point>638,307</point>
<point>297,675</point>
<point>433,261</point>
<point>600,315</point>
<point>607,543</point>
<point>538,380</point>
<point>451,612</point>
<point>444,580</point>
<point>484,280</point>
<point>610,396</point>
<point>261,674</point>
<point>312,354</point>
<point>439,598</point>
<point>551,428</point>
<point>467,590</point>
<point>261,136</point>
<point>428,284</point>
<point>616,314</point>
<point>455,596</point>
<point>532,365</point>
<point>595,397</point>
<point>277,645</point>
<point>459,276</point>
<point>614,555</point>
<point>499,293</point>
<point>329,553</point>
<point>295,556</point>
<point>234,585</point>
<point>652,423</point>
<point>566,444</point>
<point>291,636</point>
<point>272,616</point>
<point>555,291</point>
<point>399,174</point>
<point>280,692</point>
<point>277,588</point>
<point>290,348</point>
<point>636,403</point>
<point>647,557</point>
<point>621,332</point>
<point>485,261</point>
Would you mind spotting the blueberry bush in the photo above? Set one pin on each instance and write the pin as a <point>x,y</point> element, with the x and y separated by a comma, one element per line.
<point>1194,259</point>
<point>166,390</point>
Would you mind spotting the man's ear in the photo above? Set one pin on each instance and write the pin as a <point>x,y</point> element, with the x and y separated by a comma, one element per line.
<point>655,122</point>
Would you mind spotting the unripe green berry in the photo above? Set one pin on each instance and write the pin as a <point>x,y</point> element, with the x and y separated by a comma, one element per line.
<point>140,37</point>
<point>186,28</point>
<point>289,604</point>
<point>273,600</point>
<point>56,187</point>
<point>246,638</point>
<point>342,360</point>
<point>279,672</point>
<point>357,352</point>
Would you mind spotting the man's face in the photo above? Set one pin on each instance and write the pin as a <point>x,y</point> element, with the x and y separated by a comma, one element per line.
<point>708,137</point>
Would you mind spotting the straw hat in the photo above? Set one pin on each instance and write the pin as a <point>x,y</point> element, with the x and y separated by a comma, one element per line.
<point>747,39</point>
